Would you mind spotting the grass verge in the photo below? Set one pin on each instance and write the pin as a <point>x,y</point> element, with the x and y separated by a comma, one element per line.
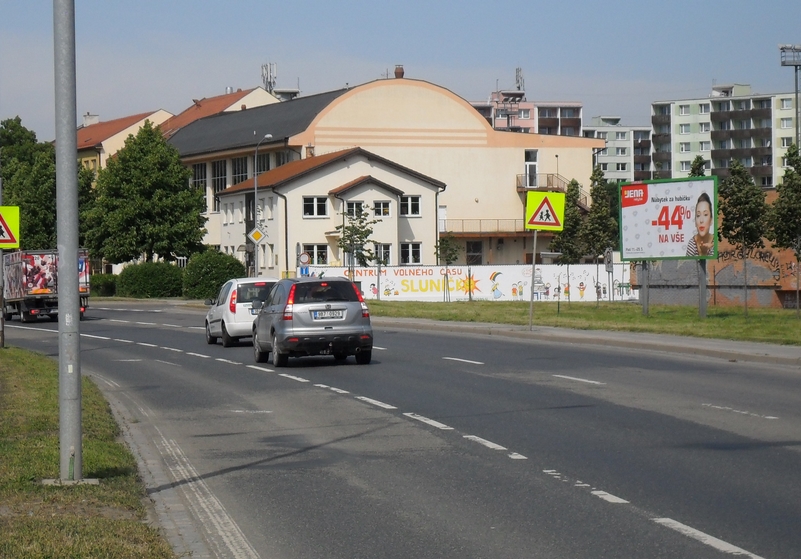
<point>76,522</point>
<point>776,326</point>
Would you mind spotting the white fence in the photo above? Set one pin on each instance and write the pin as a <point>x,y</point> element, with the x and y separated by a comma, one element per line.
<point>551,282</point>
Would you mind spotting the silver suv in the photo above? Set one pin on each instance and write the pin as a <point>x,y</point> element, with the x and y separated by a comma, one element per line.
<point>231,314</point>
<point>313,316</point>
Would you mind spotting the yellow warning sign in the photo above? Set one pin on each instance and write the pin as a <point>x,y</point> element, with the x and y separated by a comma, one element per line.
<point>545,211</point>
<point>9,227</point>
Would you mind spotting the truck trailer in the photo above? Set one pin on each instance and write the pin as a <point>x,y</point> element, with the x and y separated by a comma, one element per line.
<point>30,287</point>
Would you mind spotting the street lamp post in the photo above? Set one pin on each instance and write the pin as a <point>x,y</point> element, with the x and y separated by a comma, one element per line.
<point>255,202</point>
<point>557,169</point>
<point>791,56</point>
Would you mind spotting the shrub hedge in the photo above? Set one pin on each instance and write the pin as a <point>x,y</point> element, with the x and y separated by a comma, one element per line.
<point>103,285</point>
<point>150,279</point>
<point>207,271</point>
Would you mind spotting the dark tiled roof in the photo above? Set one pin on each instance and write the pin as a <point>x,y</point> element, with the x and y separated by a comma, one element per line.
<point>236,129</point>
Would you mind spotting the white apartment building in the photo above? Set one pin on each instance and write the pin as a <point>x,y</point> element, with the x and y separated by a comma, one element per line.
<point>731,124</point>
<point>627,155</point>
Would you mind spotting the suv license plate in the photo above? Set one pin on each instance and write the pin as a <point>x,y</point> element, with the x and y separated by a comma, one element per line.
<point>323,315</point>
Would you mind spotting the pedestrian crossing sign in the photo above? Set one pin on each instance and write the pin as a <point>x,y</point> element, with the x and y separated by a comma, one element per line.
<point>9,227</point>
<point>545,211</point>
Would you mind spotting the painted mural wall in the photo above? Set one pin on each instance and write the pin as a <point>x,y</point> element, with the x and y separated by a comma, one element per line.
<point>549,282</point>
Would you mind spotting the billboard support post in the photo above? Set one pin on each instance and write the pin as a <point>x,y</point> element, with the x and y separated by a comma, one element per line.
<point>646,281</point>
<point>533,271</point>
<point>702,279</point>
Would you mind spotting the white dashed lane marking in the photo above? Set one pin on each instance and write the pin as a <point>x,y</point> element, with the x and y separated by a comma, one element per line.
<point>428,421</point>
<point>712,541</point>
<point>463,360</point>
<point>579,379</point>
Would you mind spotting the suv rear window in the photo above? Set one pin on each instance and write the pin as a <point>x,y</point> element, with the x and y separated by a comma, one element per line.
<point>324,291</point>
<point>247,292</point>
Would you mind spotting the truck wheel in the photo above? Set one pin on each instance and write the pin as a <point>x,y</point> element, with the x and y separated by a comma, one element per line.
<point>25,316</point>
<point>7,316</point>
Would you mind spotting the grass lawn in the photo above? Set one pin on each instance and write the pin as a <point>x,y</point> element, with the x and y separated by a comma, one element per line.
<point>70,522</point>
<point>777,326</point>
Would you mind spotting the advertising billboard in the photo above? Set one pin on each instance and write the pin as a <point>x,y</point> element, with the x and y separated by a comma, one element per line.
<point>669,219</point>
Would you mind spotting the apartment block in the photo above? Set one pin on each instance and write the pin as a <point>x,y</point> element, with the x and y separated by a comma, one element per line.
<point>627,155</point>
<point>731,124</point>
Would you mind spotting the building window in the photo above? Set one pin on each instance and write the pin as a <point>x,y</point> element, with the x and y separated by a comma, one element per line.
<point>703,108</point>
<point>318,253</point>
<point>218,183</point>
<point>199,181</point>
<point>381,208</point>
<point>354,209</point>
<point>787,141</point>
<point>525,114</point>
<point>383,252</point>
<point>722,106</point>
<point>703,127</point>
<point>722,164</point>
<point>767,181</point>
<point>604,166</point>
<point>662,110</point>
<point>568,113</point>
<point>410,205</point>
<point>784,162</point>
<point>620,135</point>
<point>410,253</point>
<point>705,146</point>
<point>263,163</point>
<point>744,143</point>
<point>787,123</point>
<point>239,169</point>
<point>746,162</point>
<point>764,123</point>
<point>315,206</point>
<point>742,105</point>
<point>547,113</point>
<point>684,109</point>
<point>685,165</point>
<point>601,135</point>
<point>743,124</point>
<point>621,166</point>
<point>474,253</point>
<point>568,131</point>
<point>684,128</point>
<point>684,147</point>
<point>762,103</point>
<point>787,103</point>
<point>620,151</point>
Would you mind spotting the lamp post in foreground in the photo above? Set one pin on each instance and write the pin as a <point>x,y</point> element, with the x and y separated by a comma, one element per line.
<point>255,203</point>
<point>791,56</point>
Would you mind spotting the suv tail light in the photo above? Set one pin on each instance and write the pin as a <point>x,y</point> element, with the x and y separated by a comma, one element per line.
<point>290,304</point>
<point>365,310</point>
<point>232,301</point>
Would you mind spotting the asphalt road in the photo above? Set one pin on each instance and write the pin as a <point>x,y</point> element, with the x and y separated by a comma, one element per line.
<point>449,444</point>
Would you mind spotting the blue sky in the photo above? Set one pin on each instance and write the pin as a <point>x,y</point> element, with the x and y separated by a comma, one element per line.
<point>615,57</point>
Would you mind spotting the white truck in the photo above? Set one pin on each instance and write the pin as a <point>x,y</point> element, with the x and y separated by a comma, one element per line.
<point>30,287</point>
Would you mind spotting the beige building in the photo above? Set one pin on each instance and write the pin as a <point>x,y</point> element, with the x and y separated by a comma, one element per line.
<point>302,203</point>
<point>98,140</point>
<point>412,123</point>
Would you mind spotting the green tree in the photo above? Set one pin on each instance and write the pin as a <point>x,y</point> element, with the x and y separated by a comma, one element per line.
<point>86,201</point>
<point>447,252</point>
<point>145,205</point>
<point>698,167</point>
<point>569,242</point>
<point>354,237</point>
<point>32,187</point>
<point>743,207</point>
<point>600,229</point>
<point>784,217</point>
<point>17,142</point>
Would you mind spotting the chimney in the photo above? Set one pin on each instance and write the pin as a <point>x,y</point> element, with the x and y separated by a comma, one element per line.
<point>89,119</point>
<point>243,107</point>
<point>398,71</point>
<point>229,89</point>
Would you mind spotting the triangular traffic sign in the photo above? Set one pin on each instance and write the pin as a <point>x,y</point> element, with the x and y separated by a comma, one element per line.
<point>544,216</point>
<point>7,237</point>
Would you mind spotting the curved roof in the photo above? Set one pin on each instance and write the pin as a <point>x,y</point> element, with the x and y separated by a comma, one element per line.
<point>245,128</point>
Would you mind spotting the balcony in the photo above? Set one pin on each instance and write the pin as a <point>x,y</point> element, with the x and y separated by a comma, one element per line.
<point>663,174</point>
<point>760,113</point>
<point>643,144</point>
<point>742,133</point>
<point>762,170</point>
<point>717,116</point>
<point>761,151</point>
<point>721,154</point>
<point>761,133</point>
<point>718,135</point>
<point>656,120</point>
<point>721,173</point>
<point>550,181</point>
<point>571,123</point>
<point>642,159</point>
<point>548,122</point>
<point>661,156</point>
<point>642,175</point>
<point>480,226</point>
<point>661,138</point>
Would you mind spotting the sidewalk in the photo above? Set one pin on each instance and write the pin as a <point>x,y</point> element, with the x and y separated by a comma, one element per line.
<point>723,349</point>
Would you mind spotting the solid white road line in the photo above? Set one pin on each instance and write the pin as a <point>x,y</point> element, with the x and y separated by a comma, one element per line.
<point>376,403</point>
<point>207,507</point>
<point>95,337</point>
<point>221,360</point>
<point>198,355</point>
<point>712,541</point>
<point>146,344</point>
<point>123,341</point>
<point>463,360</point>
<point>485,442</point>
<point>262,369</point>
<point>579,379</point>
<point>172,349</point>
<point>608,497</point>
<point>428,421</point>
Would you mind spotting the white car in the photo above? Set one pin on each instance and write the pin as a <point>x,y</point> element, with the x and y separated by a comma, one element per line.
<point>231,315</point>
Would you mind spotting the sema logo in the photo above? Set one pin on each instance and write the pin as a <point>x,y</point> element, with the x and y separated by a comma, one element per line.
<point>633,195</point>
